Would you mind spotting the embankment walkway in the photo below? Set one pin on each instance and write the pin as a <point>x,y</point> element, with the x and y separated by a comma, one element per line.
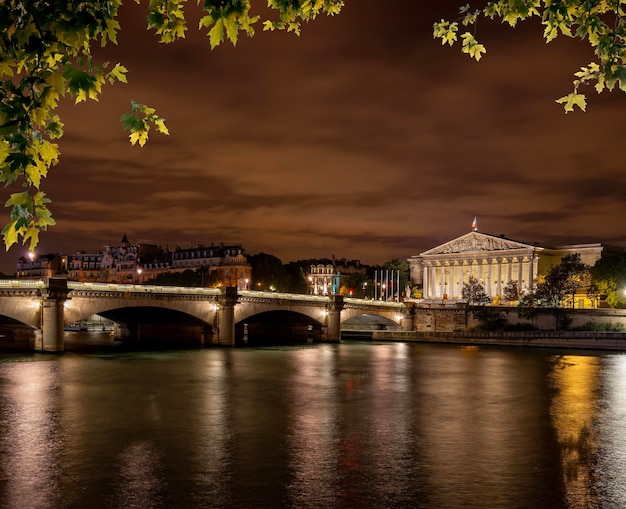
<point>588,340</point>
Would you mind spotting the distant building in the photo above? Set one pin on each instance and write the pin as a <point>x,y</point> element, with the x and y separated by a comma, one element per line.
<point>326,276</point>
<point>41,266</point>
<point>86,267</point>
<point>138,263</point>
<point>229,262</point>
<point>493,260</point>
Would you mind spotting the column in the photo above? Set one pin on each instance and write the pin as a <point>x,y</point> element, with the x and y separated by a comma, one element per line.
<point>333,318</point>
<point>519,271</point>
<point>531,270</point>
<point>226,316</point>
<point>442,279</point>
<point>52,316</point>
<point>454,288</point>
<point>489,278</point>
<point>509,262</point>
<point>499,286</point>
<point>425,286</point>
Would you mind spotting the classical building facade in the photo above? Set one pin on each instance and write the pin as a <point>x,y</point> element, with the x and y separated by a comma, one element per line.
<point>493,260</point>
<point>230,263</point>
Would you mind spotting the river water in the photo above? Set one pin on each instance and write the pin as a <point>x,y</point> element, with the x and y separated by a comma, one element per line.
<point>351,425</point>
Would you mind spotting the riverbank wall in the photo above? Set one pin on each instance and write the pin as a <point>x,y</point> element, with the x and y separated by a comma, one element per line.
<point>585,340</point>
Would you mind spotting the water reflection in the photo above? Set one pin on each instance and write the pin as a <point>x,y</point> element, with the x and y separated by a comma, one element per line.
<point>313,428</point>
<point>588,413</point>
<point>30,443</point>
<point>351,425</point>
<point>211,474</point>
<point>481,425</point>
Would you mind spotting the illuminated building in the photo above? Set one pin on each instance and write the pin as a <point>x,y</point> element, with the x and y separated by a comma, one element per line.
<point>326,276</point>
<point>41,266</point>
<point>492,260</point>
<point>229,262</point>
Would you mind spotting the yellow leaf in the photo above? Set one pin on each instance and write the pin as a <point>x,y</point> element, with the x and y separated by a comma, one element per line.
<point>139,137</point>
<point>571,100</point>
<point>49,152</point>
<point>56,81</point>
<point>36,171</point>
<point>33,234</point>
<point>231,29</point>
<point>216,34</point>
<point>4,151</point>
<point>5,69</point>
<point>10,235</point>
<point>81,96</point>
<point>119,73</point>
<point>161,127</point>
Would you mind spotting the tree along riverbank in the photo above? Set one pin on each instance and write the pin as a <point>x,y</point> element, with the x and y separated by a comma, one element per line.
<point>587,340</point>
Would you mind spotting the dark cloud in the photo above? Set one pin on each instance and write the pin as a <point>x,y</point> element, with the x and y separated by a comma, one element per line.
<point>363,138</point>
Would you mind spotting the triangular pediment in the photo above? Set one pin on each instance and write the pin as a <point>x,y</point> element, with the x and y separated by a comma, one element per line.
<point>475,242</point>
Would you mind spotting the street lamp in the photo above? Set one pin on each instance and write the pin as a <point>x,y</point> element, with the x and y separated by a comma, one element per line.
<point>246,281</point>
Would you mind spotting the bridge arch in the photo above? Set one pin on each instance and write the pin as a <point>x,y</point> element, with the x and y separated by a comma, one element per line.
<point>48,305</point>
<point>278,327</point>
<point>76,310</point>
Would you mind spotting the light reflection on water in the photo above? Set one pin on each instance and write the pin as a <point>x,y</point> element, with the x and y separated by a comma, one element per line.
<point>588,413</point>
<point>351,425</point>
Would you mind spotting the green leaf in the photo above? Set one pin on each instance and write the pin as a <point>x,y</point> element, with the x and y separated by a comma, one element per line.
<point>22,199</point>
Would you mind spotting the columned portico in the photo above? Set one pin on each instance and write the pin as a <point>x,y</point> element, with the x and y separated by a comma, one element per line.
<point>493,261</point>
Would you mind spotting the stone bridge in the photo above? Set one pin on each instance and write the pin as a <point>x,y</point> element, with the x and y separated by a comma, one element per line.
<point>202,315</point>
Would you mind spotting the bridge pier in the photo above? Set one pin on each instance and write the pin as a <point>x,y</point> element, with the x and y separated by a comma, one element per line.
<point>408,318</point>
<point>333,318</point>
<point>52,316</point>
<point>226,316</point>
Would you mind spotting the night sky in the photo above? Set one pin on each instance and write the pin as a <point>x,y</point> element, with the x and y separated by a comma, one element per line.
<point>364,138</point>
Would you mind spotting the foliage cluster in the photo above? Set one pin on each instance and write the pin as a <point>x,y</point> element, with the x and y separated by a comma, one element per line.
<point>601,23</point>
<point>592,325</point>
<point>511,291</point>
<point>201,277</point>
<point>474,293</point>
<point>609,277</point>
<point>556,289</point>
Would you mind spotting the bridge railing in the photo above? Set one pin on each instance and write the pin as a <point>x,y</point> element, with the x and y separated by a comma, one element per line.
<point>189,290</point>
<point>279,295</point>
<point>117,287</point>
<point>22,283</point>
<point>372,302</point>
